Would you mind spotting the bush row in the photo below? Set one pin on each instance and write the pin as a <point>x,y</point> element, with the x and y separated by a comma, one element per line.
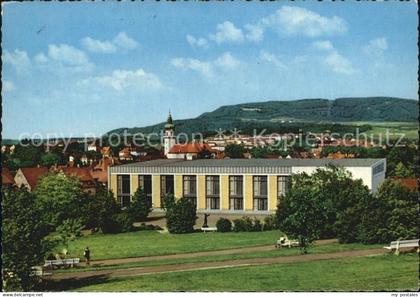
<point>246,224</point>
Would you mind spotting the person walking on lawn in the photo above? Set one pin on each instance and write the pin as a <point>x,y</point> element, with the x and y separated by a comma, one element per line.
<point>86,254</point>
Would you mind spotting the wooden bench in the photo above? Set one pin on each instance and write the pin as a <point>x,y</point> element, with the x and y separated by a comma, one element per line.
<point>62,263</point>
<point>285,242</point>
<point>211,229</point>
<point>396,246</point>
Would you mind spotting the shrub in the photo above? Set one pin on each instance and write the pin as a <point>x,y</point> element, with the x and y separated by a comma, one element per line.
<point>181,216</point>
<point>256,225</point>
<point>118,223</point>
<point>140,206</point>
<point>223,225</point>
<point>269,223</point>
<point>243,224</point>
<point>168,201</point>
<point>144,227</point>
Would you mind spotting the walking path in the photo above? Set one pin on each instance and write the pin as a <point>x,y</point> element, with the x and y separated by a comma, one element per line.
<point>259,248</point>
<point>212,265</point>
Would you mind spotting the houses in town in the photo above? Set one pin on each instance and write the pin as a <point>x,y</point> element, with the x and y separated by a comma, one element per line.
<point>244,186</point>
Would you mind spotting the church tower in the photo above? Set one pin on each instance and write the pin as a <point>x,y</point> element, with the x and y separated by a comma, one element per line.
<point>169,135</point>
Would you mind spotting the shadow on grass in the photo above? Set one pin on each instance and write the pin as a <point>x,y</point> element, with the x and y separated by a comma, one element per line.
<point>52,285</point>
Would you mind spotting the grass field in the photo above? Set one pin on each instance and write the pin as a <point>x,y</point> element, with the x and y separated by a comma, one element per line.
<point>409,129</point>
<point>330,248</point>
<point>152,243</point>
<point>374,273</point>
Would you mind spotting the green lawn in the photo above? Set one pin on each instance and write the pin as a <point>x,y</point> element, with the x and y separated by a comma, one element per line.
<point>409,129</point>
<point>330,248</point>
<point>151,243</point>
<point>374,273</point>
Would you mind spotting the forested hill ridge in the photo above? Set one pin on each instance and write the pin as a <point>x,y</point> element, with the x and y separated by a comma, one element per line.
<point>281,113</point>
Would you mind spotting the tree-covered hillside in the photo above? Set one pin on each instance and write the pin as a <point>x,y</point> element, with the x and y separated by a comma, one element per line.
<point>289,114</point>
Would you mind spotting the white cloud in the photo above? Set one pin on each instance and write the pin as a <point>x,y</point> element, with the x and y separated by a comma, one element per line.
<point>227,32</point>
<point>208,68</point>
<point>300,21</point>
<point>255,32</point>
<point>8,86</point>
<point>270,58</point>
<point>121,41</point>
<point>97,46</point>
<point>197,42</point>
<point>41,58</point>
<point>325,45</point>
<point>339,64</point>
<point>376,47</point>
<point>125,42</point>
<point>227,61</point>
<point>63,58</point>
<point>18,59</point>
<point>204,68</point>
<point>67,54</point>
<point>122,80</point>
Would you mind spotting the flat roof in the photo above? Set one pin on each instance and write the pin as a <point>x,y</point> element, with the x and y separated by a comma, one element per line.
<point>235,165</point>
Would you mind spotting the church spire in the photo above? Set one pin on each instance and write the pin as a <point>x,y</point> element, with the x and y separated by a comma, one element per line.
<point>169,122</point>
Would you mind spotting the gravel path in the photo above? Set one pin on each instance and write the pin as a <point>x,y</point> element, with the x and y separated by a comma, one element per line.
<point>213,265</point>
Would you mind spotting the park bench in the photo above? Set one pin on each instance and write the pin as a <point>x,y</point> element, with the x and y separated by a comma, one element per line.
<point>211,229</point>
<point>404,245</point>
<point>62,263</point>
<point>285,242</point>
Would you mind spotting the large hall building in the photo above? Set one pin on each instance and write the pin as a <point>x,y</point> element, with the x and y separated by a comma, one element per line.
<point>236,186</point>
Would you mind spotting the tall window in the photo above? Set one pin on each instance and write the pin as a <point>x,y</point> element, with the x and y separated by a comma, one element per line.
<point>190,188</point>
<point>145,182</point>
<point>236,197</point>
<point>166,186</point>
<point>212,192</point>
<point>283,185</point>
<point>123,190</point>
<point>260,193</point>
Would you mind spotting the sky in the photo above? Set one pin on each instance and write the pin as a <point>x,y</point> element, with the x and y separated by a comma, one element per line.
<point>77,69</point>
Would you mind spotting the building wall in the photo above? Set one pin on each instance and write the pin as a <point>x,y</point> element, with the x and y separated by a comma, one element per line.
<point>201,192</point>
<point>272,192</point>
<point>364,173</point>
<point>156,191</point>
<point>113,184</point>
<point>224,192</point>
<point>20,180</point>
<point>134,183</point>
<point>248,194</point>
<point>178,186</point>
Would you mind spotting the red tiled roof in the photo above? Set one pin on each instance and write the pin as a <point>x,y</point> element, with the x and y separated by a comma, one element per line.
<point>411,183</point>
<point>83,173</point>
<point>6,177</point>
<point>190,148</point>
<point>100,176</point>
<point>32,174</point>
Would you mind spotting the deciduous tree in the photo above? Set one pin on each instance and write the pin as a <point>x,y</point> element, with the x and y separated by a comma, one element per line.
<point>22,234</point>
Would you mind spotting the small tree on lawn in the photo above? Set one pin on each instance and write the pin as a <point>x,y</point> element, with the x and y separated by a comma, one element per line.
<point>181,216</point>
<point>69,230</point>
<point>301,215</point>
<point>140,206</point>
<point>22,246</point>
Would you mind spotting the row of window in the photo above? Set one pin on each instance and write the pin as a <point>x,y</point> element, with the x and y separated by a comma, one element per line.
<point>236,197</point>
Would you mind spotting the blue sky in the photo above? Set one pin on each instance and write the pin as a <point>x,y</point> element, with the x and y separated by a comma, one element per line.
<point>77,68</point>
